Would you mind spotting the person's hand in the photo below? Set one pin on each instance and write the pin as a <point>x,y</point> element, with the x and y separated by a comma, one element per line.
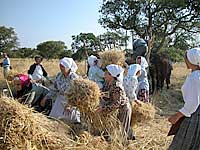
<point>174,118</point>
<point>39,81</point>
<point>33,81</point>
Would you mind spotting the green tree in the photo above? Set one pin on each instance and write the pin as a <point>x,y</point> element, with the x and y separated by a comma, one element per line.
<point>51,49</point>
<point>154,20</point>
<point>22,52</point>
<point>8,39</point>
<point>83,44</point>
<point>112,40</point>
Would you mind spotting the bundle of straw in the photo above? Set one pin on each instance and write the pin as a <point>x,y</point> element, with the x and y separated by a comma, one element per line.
<point>112,57</point>
<point>84,94</point>
<point>22,129</point>
<point>142,113</point>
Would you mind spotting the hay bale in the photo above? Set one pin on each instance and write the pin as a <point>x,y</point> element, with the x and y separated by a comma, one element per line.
<point>22,129</point>
<point>142,113</point>
<point>112,57</point>
<point>84,94</point>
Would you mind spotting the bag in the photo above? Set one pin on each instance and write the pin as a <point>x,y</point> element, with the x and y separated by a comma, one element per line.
<point>175,127</point>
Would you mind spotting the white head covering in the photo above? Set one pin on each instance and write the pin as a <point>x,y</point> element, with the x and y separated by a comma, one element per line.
<point>69,63</point>
<point>144,63</point>
<point>116,71</point>
<point>133,69</point>
<point>91,60</point>
<point>193,55</point>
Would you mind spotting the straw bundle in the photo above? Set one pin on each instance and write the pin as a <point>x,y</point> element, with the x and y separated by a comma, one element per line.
<point>112,57</point>
<point>22,129</point>
<point>84,94</point>
<point>142,112</point>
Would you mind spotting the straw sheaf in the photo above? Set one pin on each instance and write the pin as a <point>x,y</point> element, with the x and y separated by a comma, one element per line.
<point>142,113</point>
<point>112,57</point>
<point>84,94</point>
<point>22,129</point>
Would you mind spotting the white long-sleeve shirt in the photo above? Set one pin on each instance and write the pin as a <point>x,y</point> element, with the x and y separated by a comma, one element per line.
<point>130,84</point>
<point>191,93</point>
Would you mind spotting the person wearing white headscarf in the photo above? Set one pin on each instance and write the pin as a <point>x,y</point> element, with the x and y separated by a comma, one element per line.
<point>188,135</point>
<point>143,88</point>
<point>62,84</point>
<point>116,98</point>
<point>130,82</point>
<point>95,72</point>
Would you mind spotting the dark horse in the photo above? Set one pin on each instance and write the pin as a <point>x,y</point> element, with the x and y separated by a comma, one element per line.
<point>159,71</point>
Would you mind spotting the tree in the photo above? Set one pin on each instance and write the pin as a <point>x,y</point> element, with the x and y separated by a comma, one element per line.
<point>154,20</point>
<point>51,49</point>
<point>112,40</point>
<point>83,44</point>
<point>8,39</point>
<point>22,53</point>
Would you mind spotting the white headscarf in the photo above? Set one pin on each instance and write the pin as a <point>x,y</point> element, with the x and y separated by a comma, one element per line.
<point>116,71</point>
<point>193,55</point>
<point>69,63</point>
<point>133,69</point>
<point>91,60</point>
<point>144,63</point>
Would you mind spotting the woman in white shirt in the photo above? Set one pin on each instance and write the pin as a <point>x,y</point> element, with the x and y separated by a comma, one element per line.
<point>188,134</point>
<point>143,89</point>
<point>130,82</point>
<point>95,72</point>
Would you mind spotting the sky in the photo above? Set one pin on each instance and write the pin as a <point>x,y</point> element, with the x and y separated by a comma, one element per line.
<point>37,21</point>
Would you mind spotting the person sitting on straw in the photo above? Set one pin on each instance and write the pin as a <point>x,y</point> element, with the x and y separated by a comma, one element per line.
<point>130,81</point>
<point>188,135</point>
<point>116,98</point>
<point>62,84</point>
<point>37,73</point>
<point>31,94</point>
<point>95,72</point>
<point>143,88</point>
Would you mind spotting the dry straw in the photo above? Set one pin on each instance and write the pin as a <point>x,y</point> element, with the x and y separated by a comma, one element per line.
<point>85,95</point>
<point>112,57</point>
<point>142,113</point>
<point>22,129</point>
